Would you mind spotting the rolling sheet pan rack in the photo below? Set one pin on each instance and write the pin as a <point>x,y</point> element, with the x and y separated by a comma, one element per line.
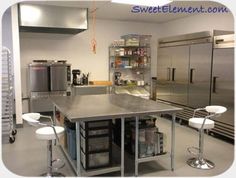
<point>8,127</point>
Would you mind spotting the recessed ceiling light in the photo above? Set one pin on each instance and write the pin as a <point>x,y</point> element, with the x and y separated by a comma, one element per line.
<point>143,2</point>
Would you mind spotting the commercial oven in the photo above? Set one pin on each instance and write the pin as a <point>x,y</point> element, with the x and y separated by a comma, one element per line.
<point>39,77</point>
<point>47,78</point>
<point>58,77</point>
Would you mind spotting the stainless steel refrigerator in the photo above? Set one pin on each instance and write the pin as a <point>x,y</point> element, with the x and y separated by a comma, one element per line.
<point>199,75</point>
<point>222,92</point>
<point>183,69</point>
<point>196,70</point>
<point>172,74</point>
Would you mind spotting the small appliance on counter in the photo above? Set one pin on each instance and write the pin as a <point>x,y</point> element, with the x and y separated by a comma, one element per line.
<point>117,78</point>
<point>80,78</point>
<point>85,80</point>
<point>76,77</point>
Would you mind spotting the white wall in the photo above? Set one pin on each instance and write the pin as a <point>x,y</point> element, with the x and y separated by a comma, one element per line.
<point>197,23</point>
<point>76,49</point>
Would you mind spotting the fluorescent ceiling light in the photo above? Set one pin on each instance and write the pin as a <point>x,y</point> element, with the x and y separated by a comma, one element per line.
<point>143,2</point>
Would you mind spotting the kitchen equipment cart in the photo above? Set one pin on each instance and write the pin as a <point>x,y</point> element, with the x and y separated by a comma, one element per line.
<point>111,106</point>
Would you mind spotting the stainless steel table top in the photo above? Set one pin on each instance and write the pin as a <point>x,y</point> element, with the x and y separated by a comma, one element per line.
<point>108,106</point>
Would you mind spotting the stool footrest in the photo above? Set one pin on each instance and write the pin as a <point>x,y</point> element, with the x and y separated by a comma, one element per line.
<point>57,164</point>
<point>193,151</point>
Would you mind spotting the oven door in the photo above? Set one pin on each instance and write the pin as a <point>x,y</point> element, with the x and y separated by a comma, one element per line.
<point>58,77</point>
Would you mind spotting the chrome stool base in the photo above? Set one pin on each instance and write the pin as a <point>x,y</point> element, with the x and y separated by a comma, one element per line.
<point>53,174</point>
<point>200,163</point>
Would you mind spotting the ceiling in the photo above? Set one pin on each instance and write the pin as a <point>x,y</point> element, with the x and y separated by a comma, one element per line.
<point>113,11</point>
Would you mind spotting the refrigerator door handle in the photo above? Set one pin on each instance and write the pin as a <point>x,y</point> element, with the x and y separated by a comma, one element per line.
<point>191,75</point>
<point>219,41</point>
<point>173,74</point>
<point>168,74</point>
<point>214,84</point>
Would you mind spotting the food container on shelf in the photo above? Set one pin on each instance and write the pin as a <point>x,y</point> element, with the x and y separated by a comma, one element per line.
<point>145,40</point>
<point>140,83</point>
<point>122,52</point>
<point>120,42</point>
<point>137,40</point>
<point>131,39</point>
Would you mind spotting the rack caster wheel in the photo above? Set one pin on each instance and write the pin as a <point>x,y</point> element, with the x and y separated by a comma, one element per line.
<point>211,134</point>
<point>180,122</point>
<point>14,132</point>
<point>12,139</point>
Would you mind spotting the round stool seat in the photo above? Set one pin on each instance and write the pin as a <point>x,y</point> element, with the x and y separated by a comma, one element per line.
<point>197,123</point>
<point>34,116</point>
<point>47,133</point>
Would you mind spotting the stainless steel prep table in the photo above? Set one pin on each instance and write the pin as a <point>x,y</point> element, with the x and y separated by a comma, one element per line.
<point>112,106</point>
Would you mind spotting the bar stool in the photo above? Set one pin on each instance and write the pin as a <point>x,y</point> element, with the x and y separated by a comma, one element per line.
<point>201,124</point>
<point>48,132</point>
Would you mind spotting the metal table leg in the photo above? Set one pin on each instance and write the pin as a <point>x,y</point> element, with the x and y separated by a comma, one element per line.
<point>49,157</point>
<point>78,148</point>
<point>173,143</point>
<point>54,121</point>
<point>54,114</point>
<point>122,145</point>
<point>136,144</point>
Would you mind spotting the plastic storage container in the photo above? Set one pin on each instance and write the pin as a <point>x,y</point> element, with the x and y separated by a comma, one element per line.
<point>95,144</point>
<point>131,39</point>
<point>137,40</point>
<point>145,40</point>
<point>95,124</point>
<point>71,142</point>
<point>95,132</point>
<point>95,160</point>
